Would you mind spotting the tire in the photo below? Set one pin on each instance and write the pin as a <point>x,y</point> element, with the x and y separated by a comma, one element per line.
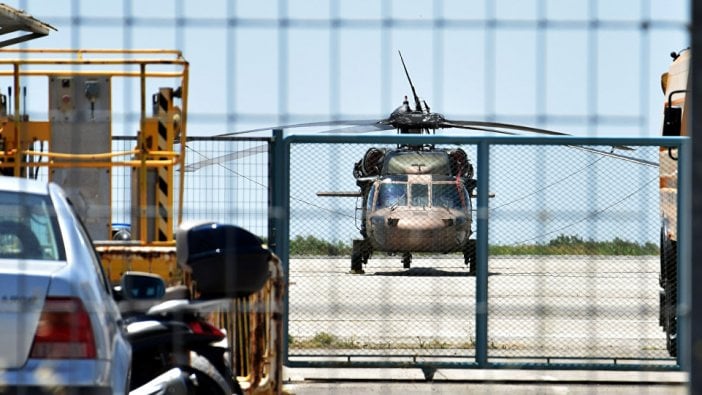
<point>661,309</point>
<point>671,315</point>
<point>209,380</point>
<point>671,318</point>
<point>668,258</point>
<point>669,298</point>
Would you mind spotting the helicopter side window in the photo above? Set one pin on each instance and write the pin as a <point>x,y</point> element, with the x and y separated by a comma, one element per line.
<point>467,201</point>
<point>392,194</point>
<point>446,195</point>
<point>420,195</point>
<point>371,195</point>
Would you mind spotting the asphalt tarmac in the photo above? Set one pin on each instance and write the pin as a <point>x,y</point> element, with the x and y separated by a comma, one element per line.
<point>567,308</point>
<point>542,307</point>
<point>410,381</point>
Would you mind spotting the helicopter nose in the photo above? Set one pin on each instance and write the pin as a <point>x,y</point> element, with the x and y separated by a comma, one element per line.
<point>377,220</point>
<point>418,231</point>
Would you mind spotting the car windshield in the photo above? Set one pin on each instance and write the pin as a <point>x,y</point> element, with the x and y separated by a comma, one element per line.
<point>392,194</point>
<point>28,227</point>
<point>446,195</point>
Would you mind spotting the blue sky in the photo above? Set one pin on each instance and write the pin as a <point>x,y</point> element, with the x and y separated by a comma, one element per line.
<point>261,75</point>
<point>265,63</point>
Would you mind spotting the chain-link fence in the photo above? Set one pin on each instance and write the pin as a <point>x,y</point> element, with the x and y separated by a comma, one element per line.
<point>572,266</point>
<point>574,253</point>
<point>226,180</point>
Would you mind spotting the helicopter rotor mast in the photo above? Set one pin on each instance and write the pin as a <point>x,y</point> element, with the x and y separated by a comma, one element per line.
<point>417,103</point>
<point>421,120</point>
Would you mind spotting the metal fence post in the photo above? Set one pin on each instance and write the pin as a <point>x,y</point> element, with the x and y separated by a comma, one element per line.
<point>278,220</point>
<point>481,290</point>
<point>686,269</point>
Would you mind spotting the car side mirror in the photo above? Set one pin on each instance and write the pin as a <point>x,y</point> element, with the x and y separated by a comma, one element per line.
<point>141,286</point>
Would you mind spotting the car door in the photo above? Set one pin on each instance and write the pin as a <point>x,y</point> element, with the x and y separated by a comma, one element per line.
<point>117,348</point>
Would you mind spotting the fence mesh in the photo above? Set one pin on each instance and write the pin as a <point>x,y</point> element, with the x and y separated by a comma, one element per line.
<point>573,264</point>
<point>226,180</point>
<point>573,237</point>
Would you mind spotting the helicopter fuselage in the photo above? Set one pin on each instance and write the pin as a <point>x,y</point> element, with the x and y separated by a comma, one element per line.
<point>418,213</point>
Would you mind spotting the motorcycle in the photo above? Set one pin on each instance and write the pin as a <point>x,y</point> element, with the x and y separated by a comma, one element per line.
<point>174,334</point>
<point>175,381</point>
<point>174,348</point>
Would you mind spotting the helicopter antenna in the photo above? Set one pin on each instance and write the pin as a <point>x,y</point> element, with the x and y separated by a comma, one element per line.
<point>417,104</point>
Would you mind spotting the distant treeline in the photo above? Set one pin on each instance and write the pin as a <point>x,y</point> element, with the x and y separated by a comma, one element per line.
<point>574,245</point>
<point>561,245</point>
<point>311,245</point>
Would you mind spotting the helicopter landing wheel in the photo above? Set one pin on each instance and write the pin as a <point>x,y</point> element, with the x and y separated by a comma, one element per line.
<point>357,258</point>
<point>406,260</point>
<point>470,257</point>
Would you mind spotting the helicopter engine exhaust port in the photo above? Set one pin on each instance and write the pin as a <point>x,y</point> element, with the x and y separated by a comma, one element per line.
<point>460,164</point>
<point>371,163</point>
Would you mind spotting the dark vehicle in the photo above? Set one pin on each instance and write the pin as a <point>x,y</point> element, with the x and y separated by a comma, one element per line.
<point>677,108</point>
<point>171,334</point>
<point>166,333</point>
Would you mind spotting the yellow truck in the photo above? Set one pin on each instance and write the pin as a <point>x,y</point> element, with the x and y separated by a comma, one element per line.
<point>675,84</point>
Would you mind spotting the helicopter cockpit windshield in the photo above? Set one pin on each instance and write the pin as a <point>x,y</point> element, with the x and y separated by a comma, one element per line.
<point>392,195</point>
<point>446,195</point>
<point>419,195</point>
<point>434,194</point>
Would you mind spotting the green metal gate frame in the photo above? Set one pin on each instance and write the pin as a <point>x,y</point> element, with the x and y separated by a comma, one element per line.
<point>279,234</point>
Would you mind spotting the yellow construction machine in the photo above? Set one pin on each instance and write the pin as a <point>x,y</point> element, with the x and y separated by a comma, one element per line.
<point>57,124</point>
<point>72,146</point>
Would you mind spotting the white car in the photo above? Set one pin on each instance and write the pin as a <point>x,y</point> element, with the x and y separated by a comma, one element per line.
<point>60,328</point>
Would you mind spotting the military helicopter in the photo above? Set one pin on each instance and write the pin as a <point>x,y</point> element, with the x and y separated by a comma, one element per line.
<point>417,198</point>
<point>414,198</point>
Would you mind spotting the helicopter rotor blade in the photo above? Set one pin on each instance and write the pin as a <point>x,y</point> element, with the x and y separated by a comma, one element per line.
<point>304,125</point>
<point>509,126</point>
<point>520,128</point>
<point>361,129</point>
<point>464,125</point>
<point>616,156</point>
<point>451,124</point>
<point>227,157</point>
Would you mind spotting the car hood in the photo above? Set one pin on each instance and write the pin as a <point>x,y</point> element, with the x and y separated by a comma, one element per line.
<point>23,288</point>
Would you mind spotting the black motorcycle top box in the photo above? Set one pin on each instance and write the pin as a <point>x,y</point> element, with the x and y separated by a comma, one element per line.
<point>225,261</point>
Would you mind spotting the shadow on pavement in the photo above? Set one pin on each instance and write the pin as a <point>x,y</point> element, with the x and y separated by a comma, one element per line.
<point>427,272</point>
